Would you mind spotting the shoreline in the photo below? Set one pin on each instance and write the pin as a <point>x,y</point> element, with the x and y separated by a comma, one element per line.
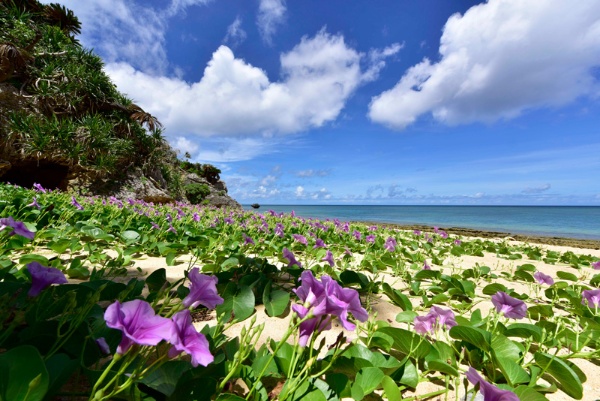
<point>470,232</point>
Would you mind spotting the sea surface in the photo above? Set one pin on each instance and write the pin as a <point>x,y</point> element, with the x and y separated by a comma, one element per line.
<point>554,221</point>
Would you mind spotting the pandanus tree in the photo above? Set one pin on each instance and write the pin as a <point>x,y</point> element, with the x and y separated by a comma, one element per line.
<point>68,110</point>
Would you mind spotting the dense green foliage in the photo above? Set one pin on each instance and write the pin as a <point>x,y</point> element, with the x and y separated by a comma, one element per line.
<point>196,193</point>
<point>207,171</point>
<point>63,107</point>
<point>50,340</point>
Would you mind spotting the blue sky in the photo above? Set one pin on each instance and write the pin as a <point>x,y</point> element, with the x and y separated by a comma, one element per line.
<point>368,102</point>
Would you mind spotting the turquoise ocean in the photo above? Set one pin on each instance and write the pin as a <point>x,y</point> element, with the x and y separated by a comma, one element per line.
<point>554,221</point>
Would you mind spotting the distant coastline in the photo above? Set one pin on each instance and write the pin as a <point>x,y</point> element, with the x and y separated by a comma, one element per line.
<point>557,225</point>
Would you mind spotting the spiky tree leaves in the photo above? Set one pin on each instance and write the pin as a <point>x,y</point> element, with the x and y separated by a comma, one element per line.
<point>74,114</point>
<point>144,118</point>
<point>62,17</point>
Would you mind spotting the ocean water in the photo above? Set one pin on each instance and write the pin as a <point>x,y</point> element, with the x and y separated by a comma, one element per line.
<point>555,221</point>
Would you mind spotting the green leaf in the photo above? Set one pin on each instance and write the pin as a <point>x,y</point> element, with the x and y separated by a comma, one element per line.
<point>427,275</point>
<point>525,276</point>
<point>310,390</point>
<point>492,289</point>
<point>164,379</point>
<point>406,316</point>
<point>339,383</point>
<point>567,379</point>
<point>566,276</point>
<point>537,311</point>
<point>439,299</point>
<point>527,267</point>
<point>512,371</point>
<point>473,335</point>
<point>351,277</point>
<point>60,368</point>
<point>407,342</point>
<point>368,379</point>
<point>25,259</point>
<point>130,235</point>
<point>391,389</point>
<point>24,376</point>
<point>408,374</point>
<point>441,366</point>
<point>238,301</point>
<point>170,258</point>
<point>529,394</point>
<point>157,279</point>
<point>59,246</point>
<point>276,302</point>
<point>397,297</point>
<point>230,262</point>
<point>524,330</point>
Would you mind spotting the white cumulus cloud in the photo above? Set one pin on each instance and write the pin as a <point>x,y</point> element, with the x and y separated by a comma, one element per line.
<point>236,98</point>
<point>498,60</point>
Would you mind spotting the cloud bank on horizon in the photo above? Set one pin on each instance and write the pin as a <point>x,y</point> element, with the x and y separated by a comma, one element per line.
<point>273,84</point>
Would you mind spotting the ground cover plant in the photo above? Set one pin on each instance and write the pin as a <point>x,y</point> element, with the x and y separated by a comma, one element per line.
<point>78,321</point>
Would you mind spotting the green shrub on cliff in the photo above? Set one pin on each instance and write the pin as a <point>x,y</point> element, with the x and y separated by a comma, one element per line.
<point>57,105</point>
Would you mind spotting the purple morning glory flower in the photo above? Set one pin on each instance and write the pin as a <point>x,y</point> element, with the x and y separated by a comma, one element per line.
<point>329,258</point>
<point>203,290</point>
<point>426,266</point>
<point>390,244</point>
<point>370,238</point>
<point>372,228</point>
<point>34,203</point>
<point>319,243</point>
<point>424,324</point>
<point>542,278</point>
<point>319,324</point>
<point>18,227</point>
<point>171,229</point>
<point>248,240</point>
<point>435,229</point>
<point>596,265</point>
<point>457,242</point>
<point>38,187</point>
<point>196,217</point>
<point>75,203</point>
<point>300,238</point>
<point>489,391</point>
<point>443,234</point>
<point>417,232</point>
<point>510,307</point>
<point>444,317</point>
<point>186,339</point>
<point>356,235</point>
<point>279,230</point>
<point>139,324</point>
<point>346,227</point>
<point>322,298</point>
<point>592,297</point>
<point>154,225</point>
<point>289,255</point>
<point>42,277</point>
